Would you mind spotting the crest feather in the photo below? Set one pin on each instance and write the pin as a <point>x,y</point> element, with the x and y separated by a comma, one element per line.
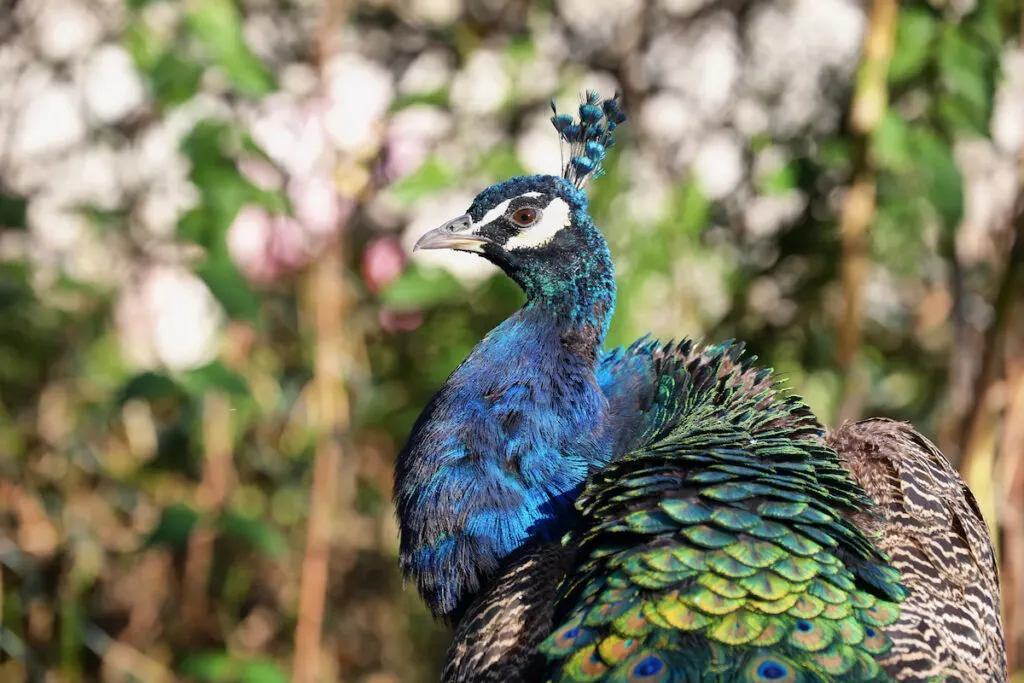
<point>589,138</point>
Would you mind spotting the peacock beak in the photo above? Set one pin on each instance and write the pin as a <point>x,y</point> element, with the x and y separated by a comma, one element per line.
<point>453,235</point>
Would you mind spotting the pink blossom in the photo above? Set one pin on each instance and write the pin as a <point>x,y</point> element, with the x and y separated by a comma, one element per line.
<point>292,133</point>
<point>399,321</point>
<point>266,247</point>
<point>247,238</point>
<point>289,245</point>
<point>411,136</point>
<point>260,173</point>
<point>382,262</point>
<point>317,205</point>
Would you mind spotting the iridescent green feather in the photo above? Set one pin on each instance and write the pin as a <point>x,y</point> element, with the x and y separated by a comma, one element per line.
<point>735,572</point>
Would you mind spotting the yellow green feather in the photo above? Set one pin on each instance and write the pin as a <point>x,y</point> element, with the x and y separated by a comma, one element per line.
<point>727,588</point>
<point>738,628</point>
<point>729,566</point>
<point>767,585</point>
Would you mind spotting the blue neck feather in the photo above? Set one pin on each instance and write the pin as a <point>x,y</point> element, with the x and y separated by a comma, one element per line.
<point>497,458</point>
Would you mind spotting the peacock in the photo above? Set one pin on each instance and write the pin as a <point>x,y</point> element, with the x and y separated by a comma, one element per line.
<point>666,511</point>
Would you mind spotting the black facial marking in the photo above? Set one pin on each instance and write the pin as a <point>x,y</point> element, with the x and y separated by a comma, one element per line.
<point>502,229</point>
<point>540,202</point>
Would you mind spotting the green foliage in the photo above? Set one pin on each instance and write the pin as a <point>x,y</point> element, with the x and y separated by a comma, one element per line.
<point>432,177</point>
<point>418,288</point>
<point>217,24</point>
<point>218,667</point>
<point>13,211</point>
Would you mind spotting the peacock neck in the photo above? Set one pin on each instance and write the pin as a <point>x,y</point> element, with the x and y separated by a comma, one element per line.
<point>575,294</point>
<point>497,458</point>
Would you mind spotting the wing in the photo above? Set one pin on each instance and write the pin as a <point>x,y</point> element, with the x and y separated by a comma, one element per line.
<point>496,640</point>
<point>949,626</point>
<point>721,547</point>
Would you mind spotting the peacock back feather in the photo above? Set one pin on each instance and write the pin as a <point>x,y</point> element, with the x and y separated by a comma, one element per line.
<point>720,548</point>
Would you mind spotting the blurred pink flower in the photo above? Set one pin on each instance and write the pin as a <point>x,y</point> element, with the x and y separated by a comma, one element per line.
<point>317,205</point>
<point>260,173</point>
<point>247,238</point>
<point>411,136</point>
<point>289,247</point>
<point>292,133</point>
<point>383,261</point>
<point>399,321</point>
<point>266,247</point>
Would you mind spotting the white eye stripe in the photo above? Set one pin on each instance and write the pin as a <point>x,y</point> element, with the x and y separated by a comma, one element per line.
<point>491,215</point>
<point>554,218</point>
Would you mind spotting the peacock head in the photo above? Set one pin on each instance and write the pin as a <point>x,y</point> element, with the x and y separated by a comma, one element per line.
<point>536,228</point>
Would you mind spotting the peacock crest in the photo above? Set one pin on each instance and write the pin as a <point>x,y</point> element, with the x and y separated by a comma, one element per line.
<point>589,138</point>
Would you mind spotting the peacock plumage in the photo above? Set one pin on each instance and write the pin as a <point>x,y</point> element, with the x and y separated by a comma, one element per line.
<point>666,512</point>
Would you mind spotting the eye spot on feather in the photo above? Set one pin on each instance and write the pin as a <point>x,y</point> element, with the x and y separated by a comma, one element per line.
<point>649,669</point>
<point>771,670</point>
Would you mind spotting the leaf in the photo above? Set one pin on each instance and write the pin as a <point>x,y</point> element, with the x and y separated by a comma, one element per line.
<point>420,287</point>
<point>215,376</point>
<point>229,286</point>
<point>890,143</point>
<point>218,25</point>
<point>914,37</point>
<point>434,98</point>
<point>693,209</point>
<point>220,667</point>
<point>502,162</point>
<point>149,386</point>
<point>173,529</point>
<point>174,80</point>
<point>263,671</point>
<point>962,69</point>
<point>144,44</point>
<point>896,230</point>
<point>781,180</point>
<point>940,176</point>
<point>432,177</point>
<point>13,211</point>
<point>255,532</point>
<point>958,116</point>
<point>213,667</point>
<point>520,49</point>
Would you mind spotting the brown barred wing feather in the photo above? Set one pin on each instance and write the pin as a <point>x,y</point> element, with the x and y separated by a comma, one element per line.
<point>930,524</point>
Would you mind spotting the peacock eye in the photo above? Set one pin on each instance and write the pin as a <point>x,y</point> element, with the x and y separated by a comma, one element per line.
<point>525,216</point>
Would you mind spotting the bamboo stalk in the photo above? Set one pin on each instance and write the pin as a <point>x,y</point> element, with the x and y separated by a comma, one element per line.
<point>325,300</point>
<point>218,473</point>
<point>870,100</point>
<point>1012,573</point>
<point>978,435</point>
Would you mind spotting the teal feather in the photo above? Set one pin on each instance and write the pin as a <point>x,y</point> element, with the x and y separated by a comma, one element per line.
<point>739,573</point>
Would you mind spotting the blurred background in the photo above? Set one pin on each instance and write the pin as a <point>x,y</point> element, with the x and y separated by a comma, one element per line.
<point>213,339</point>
